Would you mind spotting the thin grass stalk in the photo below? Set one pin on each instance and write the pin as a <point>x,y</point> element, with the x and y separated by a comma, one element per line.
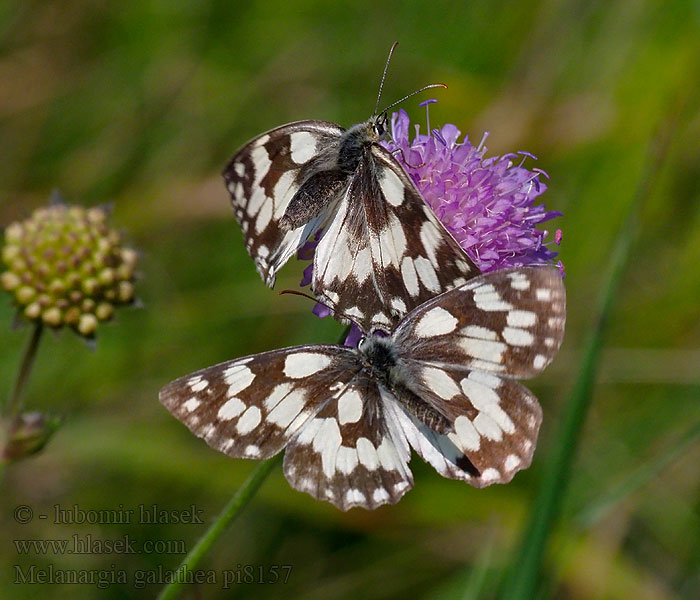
<point>525,572</point>
<point>234,508</point>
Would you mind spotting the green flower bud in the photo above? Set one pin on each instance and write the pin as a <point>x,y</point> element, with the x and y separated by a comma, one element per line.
<point>65,266</point>
<point>27,434</point>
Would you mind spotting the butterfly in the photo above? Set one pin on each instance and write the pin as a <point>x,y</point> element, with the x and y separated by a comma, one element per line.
<point>382,251</point>
<point>443,383</point>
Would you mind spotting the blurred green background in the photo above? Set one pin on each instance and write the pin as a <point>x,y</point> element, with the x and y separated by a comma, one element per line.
<point>141,104</point>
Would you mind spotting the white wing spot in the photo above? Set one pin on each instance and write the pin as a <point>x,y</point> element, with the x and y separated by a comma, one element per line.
<point>388,456</point>
<point>519,281</point>
<point>355,497</point>
<point>278,392</point>
<point>489,475</point>
<point>303,146</point>
<point>197,384</point>
<point>264,217</point>
<point>287,410</point>
<point>437,321</point>
<point>281,191</point>
<point>427,274</point>
<point>252,451</point>
<point>238,378</point>
<point>350,407</point>
<point>346,459</point>
<point>249,420</point>
<point>239,167</point>
<point>543,294</point>
<point>487,298</point>
<point>512,462</point>
<point>327,444</point>
<point>410,278</point>
<point>486,400</point>
<point>303,364</point>
<point>230,409</point>
<point>430,241</point>
<point>521,318</point>
<point>518,337</point>
<point>467,435</point>
<point>392,187</point>
<point>539,362</point>
<point>367,454</point>
<point>487,350</point>
<point>191,404</point>
<point>440,382</point>
<point>487,427</point>
<point>479,332</point>
<point>398,305</point>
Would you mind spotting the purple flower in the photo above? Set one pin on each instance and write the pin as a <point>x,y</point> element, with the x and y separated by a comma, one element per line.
<point>487,204</point>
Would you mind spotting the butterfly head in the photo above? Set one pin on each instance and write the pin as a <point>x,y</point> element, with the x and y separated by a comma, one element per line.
<point>378,124</point>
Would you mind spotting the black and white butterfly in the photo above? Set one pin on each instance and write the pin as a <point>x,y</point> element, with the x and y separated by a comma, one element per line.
<point>444,383</point>
<point>383,251</point>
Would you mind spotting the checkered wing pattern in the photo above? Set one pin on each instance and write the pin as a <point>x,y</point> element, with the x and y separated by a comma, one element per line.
<point>462,351</point>
<point>263,177</point>
<point>311,399</point>
<point>385,252</point>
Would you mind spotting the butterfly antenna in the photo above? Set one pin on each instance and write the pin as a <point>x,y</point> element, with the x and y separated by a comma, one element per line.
<point>386,67</point>
<point>333,311</point>
<point>427,87</point>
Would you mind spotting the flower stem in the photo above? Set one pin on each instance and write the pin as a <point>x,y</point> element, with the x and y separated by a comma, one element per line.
<point>525,572</point>
<point>14,404</point>
<point>228,515</point>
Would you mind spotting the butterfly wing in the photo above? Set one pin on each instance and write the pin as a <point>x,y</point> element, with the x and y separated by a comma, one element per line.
<point>462,350</point>
<point>263,177</point>
<point>252,406</point>
<point>385,252</point>
<point>310,399</point>
<point>350,454</point>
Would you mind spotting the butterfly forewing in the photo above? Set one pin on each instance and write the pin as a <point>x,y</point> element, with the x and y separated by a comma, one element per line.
<point>252,406</point>
<point>386,252</point>
<point>508,322</point>
<point>263,177</point>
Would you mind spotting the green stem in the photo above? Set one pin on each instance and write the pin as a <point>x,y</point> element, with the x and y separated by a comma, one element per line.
<point>14,404</point>
<point>525,572</point>
<point>228,515</point>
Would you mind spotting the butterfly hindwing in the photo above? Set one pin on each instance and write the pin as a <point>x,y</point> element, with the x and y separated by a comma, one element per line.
<point>386,252</point>
<point>263,177</point>
<point>350,454</point>
<point>495,422</point>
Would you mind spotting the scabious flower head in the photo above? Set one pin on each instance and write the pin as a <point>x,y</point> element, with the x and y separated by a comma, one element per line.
<point>487,204</point>
<point>65,266</point>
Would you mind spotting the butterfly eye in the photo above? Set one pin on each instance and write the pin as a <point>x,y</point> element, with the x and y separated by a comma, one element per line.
<point>380,125</point>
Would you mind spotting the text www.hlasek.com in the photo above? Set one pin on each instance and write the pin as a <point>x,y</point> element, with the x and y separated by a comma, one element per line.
<point>87,544</point>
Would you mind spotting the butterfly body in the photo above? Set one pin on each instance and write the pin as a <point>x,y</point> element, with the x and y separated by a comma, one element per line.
<point>442,383</point>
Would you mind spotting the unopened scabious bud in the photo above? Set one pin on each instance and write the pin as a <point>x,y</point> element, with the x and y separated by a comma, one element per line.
<point>65,266</point>
<point>26,434</point>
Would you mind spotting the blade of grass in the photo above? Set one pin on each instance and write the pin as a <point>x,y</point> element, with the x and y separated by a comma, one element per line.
<point>228,515</point>
<point>599,508</point>
<point>525,572</point>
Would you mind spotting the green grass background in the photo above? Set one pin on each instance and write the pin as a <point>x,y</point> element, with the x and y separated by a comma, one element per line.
<point>141,104</point>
